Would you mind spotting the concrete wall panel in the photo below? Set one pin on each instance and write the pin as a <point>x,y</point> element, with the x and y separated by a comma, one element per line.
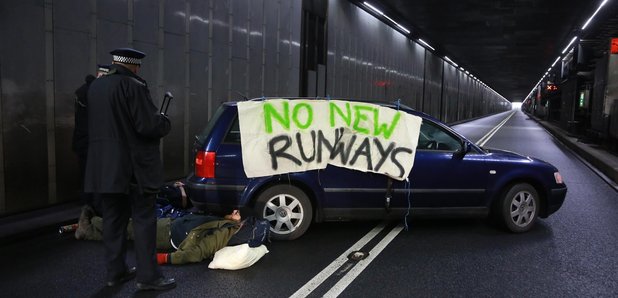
<point>146,21</point>
<point>433,85</point>
<point>24,132</point>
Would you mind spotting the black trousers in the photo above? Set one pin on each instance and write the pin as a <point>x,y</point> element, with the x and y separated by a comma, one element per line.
<point>87,198</point>
<point>117,208</point>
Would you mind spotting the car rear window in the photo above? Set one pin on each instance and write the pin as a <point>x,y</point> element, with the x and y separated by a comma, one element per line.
<point>233,134</point>
<point>211,123</point>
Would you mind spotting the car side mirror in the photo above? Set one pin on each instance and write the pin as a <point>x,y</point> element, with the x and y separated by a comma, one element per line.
<point>465,148</point>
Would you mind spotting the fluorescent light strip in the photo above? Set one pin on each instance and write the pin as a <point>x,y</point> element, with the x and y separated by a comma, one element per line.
<point>426,44</point>
<point>449,60</point>
<point>373,8</point>
<point>556,61</point>
<point>402,28</point>
<point>569,45</point>
<point>386,17</point>
<point>594,14</point>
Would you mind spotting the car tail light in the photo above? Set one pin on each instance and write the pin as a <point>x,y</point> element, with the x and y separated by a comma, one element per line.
<point>558,178</point>
<point>205,164</point>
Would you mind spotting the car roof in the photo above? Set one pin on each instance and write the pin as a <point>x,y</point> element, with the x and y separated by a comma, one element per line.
<point>393,105</point>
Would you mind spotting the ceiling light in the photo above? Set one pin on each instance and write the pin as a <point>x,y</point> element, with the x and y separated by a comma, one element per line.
<point>373,8</point>
<point>402,28</point>
<point>556,61</point>
<point>570,43</point>
<point>426,44</point>
<point>594,14</point>
<point>386,17</point>
<point>449,60</point>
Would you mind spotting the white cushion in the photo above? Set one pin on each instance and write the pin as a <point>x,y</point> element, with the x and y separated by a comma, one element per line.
<point>237,257</point>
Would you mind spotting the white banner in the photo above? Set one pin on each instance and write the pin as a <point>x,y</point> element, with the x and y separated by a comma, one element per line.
<point>283,136</point>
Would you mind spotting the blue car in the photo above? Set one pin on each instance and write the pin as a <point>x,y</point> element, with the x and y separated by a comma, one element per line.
<point>451,175</point>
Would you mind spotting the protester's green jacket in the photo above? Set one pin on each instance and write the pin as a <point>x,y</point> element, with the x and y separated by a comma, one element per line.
<point>203,241</point>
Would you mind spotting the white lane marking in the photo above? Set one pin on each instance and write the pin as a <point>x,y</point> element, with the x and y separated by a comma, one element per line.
<point>317,280</point>
<point>349,277</point>
<point>482,141</point>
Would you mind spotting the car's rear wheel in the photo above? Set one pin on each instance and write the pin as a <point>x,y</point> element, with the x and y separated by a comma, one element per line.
<point>519,207</point>
<point>287,208</point>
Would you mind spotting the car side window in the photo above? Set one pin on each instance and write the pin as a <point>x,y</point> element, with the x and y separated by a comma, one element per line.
<point>233,134</point>
<point>434,137</point>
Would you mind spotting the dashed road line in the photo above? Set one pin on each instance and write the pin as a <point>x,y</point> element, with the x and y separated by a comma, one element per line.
<point>482,141</point>
<point>349,274</point>
<point>317,280</point>
<point>347,279</point>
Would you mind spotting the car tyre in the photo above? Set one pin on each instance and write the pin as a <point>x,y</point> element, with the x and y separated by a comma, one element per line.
<point>288,210</point>
<point>519,208</point>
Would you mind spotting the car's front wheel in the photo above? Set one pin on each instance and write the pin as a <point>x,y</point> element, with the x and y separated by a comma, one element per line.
<point>519,207</point>
<point>287,208</point>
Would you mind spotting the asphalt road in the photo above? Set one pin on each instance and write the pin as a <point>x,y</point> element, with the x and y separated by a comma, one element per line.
<point>570,254</point>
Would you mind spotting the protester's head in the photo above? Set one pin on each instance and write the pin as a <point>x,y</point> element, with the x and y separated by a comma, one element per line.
<point>129,58</point>
<point>234,215</point>
<point>102,69</point>
<point>89,78</point>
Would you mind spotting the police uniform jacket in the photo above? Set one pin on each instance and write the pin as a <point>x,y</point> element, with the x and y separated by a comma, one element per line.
<point>80,132</point>
<point>125,129</point>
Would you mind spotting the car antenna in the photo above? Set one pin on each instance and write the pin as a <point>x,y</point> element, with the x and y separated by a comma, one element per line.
<point>242,95</point>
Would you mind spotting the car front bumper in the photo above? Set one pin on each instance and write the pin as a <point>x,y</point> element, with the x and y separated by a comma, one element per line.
<point>555,200</point>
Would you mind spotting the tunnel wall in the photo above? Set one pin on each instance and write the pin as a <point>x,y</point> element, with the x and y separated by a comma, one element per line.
<point>203,51</point>
<point>369,59</point>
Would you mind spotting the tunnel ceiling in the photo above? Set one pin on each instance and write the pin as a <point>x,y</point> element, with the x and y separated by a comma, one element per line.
<point>508,44</point>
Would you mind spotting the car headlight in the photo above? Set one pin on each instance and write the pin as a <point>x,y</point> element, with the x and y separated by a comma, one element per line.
<point>558,178</point>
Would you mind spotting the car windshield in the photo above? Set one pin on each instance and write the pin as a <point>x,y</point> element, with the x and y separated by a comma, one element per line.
<point>433,137</point>
<point>211,123</point>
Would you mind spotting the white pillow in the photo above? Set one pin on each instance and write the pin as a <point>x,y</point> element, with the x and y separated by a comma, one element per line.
<point>237,257</point>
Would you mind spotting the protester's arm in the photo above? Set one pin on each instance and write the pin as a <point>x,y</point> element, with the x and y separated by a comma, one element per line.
<point>183,193</point>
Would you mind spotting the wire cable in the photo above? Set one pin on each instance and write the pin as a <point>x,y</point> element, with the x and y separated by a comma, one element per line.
<point>405,218</point>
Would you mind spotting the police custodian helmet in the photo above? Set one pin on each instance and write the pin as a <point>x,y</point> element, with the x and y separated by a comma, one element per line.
<point>127,56</point>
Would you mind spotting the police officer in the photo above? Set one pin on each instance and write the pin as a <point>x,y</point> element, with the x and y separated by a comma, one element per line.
<point>124,167</point>
<point>80,132</point>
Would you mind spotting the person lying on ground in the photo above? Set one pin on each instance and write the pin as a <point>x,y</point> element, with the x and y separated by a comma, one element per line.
<point>90,227</point>
<point>201,243</point>
<point>171,201</point>
<point>194,237</point>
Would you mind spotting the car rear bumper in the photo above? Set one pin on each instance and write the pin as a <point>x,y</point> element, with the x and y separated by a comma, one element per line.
<point>215,197</point>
